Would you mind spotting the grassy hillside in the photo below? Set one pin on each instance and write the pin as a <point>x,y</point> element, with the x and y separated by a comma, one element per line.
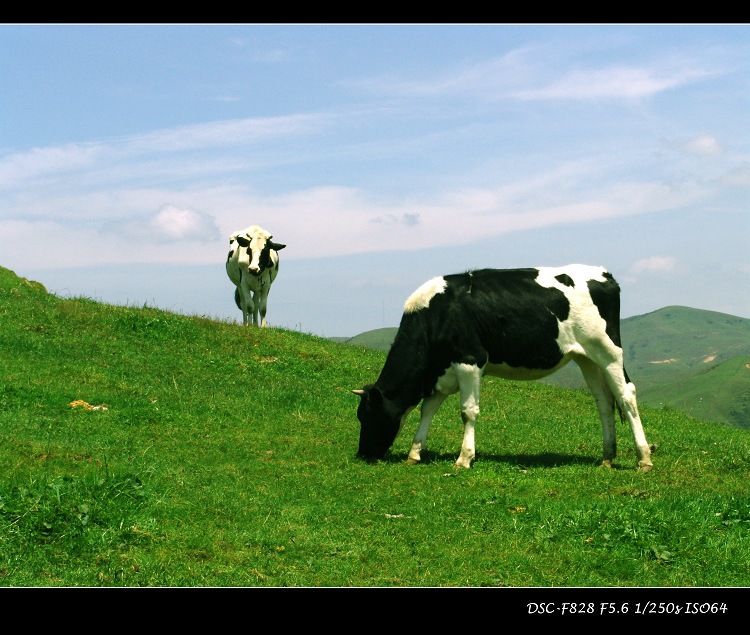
<point>144,448</point>
<point>720,392</point>
<point>690,359</point>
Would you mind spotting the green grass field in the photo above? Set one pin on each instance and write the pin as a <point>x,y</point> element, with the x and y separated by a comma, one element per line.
<point>141,448</point>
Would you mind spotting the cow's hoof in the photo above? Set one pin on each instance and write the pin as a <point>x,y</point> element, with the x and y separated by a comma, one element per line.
<point>645,468</point>
<point>412,461</point>
<point>607,463</point>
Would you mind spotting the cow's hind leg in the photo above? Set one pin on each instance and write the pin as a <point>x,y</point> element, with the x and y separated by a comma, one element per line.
<point>624,390</point>
<point>469,382</point>
<point>430,406</point>
<point>605,404</point>
<point>245,304</point>
<point>613,380</point>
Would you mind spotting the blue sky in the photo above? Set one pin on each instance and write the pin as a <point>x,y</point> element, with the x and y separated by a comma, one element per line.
<point>381,155</point>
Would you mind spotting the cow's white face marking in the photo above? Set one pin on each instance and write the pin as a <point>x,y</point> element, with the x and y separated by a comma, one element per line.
<point>420,299</point>
<point>257,243</point>
<point>257,238</point>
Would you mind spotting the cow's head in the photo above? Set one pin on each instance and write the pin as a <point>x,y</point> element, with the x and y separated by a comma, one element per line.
<point>259,246</point>
<point>380,422</point>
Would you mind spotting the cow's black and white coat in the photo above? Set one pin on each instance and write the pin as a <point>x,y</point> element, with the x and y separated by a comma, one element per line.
<point>252,265</point>
<point>512,323</point>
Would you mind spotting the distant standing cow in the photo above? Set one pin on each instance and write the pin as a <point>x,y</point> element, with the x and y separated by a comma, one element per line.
<point>511,323</point>
<point>252,265</point>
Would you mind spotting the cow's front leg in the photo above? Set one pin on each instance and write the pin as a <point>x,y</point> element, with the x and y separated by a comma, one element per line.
<point>255,307</point>
<point>263,307</point>
<point>469,413</point>
<point>430,406</point>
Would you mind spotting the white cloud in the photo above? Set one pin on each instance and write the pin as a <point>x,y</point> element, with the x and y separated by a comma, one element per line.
<point>703,145</point>
<point>489,75</point>
<point>108,156</point>
<point>618,82</point>
<point>169,224</point>
<point>174,224</point>
<point>653,264</point>
<point>43,161</point>
<point>313,222</point>
<point>222,133</point>
<point>357,223</point>
<point>526,74</point>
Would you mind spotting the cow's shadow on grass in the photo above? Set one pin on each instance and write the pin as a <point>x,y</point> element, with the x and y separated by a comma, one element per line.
<point>545,459</point>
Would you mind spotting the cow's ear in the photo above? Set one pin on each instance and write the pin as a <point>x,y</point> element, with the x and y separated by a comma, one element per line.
<point>276,246</point>
<point>374,396</point>
<point>243,241</point>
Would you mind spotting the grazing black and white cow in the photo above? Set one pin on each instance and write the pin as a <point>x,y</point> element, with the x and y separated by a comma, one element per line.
<point>511,323</point>
<point>252,265</point>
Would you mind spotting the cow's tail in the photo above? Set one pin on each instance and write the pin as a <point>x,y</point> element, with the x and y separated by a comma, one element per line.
<point>619,412</point>
<point>617,404</point>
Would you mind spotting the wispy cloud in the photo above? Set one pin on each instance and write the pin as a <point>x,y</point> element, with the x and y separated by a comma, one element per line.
<point>407,218</point>
<point>17,168</point>
<point>467,79</point>
<point>520,75</point>
<point>350,218</point>
<point>615,82</point>
<point>222,133</point>
<point>653,264</point>
<point>700,146</point>
<point>703,145</point>
<point>270,55</point>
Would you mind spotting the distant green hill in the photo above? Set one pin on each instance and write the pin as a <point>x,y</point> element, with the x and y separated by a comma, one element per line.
<point>718,393</point>
<point>678,342</point>
<point>694,360</point>
<point>379,339</point>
